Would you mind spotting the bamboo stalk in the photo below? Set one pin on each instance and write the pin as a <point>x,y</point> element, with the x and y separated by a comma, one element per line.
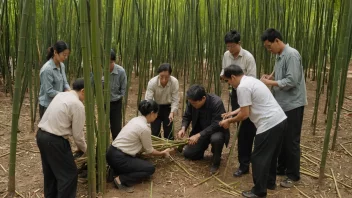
<point>304,194</point>
<point>205,180</point>
<point>346,150</point>
<point>337,189</point>
<point>305,157</point>
<point>226,185</point>
<point>183,168</point>
<point>151,189</point>
<point>229,192</point>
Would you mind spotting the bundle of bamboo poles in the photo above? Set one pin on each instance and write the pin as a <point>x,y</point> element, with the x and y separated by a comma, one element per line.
<point>157,142</point>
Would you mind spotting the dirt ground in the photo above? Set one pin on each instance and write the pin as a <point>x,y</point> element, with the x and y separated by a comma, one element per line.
<point>170,180</point>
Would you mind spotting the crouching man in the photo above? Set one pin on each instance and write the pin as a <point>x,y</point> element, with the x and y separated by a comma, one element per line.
<point>204,111</point>
<point>257,103</point>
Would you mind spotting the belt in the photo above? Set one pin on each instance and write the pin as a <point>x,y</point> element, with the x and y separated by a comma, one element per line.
<point>51,134</point>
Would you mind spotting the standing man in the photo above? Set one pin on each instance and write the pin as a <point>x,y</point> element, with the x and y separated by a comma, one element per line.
<point>64,117</point>
<point>204,111</point>
<point>163,88</point>
<point>235,54</point>
<point>289,89</point>
<point>257,103</point>
<point>118,82</point>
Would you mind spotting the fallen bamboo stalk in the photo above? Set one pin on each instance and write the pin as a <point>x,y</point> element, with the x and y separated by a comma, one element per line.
<point>9,153</point>
<point>329,176</point>
<point>3,168</point>
<point>346,150</point>
<point>337,189</point>
<point>309,155</point>
<point>226,185</point>
<point>304,194</point>
<point>232,148</point>
<point>305,157</point>
<point>346,109</point>
<point>19,194</point>
<point>33,151</point>
<point>151,189</point>
<point>229,192</point>
<point>179,165</point>
<point>205,180</point>
<point>309,148</point>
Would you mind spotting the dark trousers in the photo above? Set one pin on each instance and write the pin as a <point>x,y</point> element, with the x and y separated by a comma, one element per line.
<point>163,118</point>
<point>245,142</point>
<point>131,170</point>
<point>289,158</point>
<point>245,136</point>
<point>196,152</point>
<point>115,118</point>
<point>264,158</point>
<point>59,168</point>
<point>42,110</point>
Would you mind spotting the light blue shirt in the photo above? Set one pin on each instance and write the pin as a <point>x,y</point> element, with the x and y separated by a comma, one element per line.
<point>291,92</point>
<point>52,81</point>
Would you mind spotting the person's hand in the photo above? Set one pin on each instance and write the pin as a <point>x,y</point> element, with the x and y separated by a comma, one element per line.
<point>226,115</point>
<point>171,118</point>
<point>266,76</point>
<point>265,81</point>
<point>167,152</point>
<point>181,133</point>
<point>225,123</point>
<point>194,139</point>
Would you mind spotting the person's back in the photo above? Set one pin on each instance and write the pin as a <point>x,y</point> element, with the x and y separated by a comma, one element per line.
<point>265,112</point>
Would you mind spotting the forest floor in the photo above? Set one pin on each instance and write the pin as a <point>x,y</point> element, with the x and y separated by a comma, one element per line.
<point>171,181</point>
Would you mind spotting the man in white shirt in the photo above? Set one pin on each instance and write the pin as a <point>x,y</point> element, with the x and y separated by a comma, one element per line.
<point>163,88</point>
<point>64,117</point>
<point>257,103</point>
<point>236,55</point>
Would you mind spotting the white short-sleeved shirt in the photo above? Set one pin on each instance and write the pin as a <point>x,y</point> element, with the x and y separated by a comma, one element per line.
<point>244,59</point>
<point>265,112</point>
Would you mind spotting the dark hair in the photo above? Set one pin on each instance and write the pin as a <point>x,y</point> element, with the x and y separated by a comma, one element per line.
<point>165,67</point>
<point>196,92</point>
<point>233,70</point>
<point>271,34</point>
<point>78,85</point>
<point>59,46</point>
<point>232,37</point>
<point>112,55</point>
<point>148,106</point>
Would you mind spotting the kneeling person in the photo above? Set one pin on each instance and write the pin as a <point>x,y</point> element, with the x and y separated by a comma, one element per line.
<point>257,103</point>
<point>204,111</point>
<point>135,136</point>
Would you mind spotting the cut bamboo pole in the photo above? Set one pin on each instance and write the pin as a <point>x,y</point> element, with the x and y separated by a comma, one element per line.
<point>346,150</point>
<point>304,194</point>
<point>337,189</point>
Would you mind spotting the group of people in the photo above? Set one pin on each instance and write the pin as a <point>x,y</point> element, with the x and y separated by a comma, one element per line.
<point>270,120</point>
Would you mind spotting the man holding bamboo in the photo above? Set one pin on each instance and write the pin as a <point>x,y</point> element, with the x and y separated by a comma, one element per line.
<point>204,111</point>
<point>258,104</point>
<point>64,117</point>
<point>235,54</point>
<point>289,89</point>
<point>163,88</point>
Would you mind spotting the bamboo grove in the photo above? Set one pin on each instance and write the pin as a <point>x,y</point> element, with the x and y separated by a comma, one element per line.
<point>186,33</point>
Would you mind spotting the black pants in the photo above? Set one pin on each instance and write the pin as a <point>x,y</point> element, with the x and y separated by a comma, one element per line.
<point>264,158</point>
<point>163,118</point>
<point>245,136</point>
<point>131,170</point>
<point>42,110</point>
<point>115,118</point>
<point>290,155</point>
<point>59,168</point>
<point>196,152</point>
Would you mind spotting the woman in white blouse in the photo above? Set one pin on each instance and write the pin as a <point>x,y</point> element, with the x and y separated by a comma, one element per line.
<point>135,136</point>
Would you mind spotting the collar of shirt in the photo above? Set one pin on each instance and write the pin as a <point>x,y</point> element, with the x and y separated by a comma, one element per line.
<point>167,85</point>
<point>74,93</point>
<point>114,71</point>
<point>240,54</point>
<point>283,53</point>
<point>52,64</point>
<point>143,118</point>
<point>243,77</point>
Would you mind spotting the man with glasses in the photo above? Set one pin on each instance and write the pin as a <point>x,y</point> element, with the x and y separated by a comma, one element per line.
<point>163,88</point>
<point>289,89</point>
<point>236,55</point>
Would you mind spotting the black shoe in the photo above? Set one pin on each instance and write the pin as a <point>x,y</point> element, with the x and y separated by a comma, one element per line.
<point>123,187</point>
<point>214,169</point>
<point>239,173</point>
<point>250,194</point>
